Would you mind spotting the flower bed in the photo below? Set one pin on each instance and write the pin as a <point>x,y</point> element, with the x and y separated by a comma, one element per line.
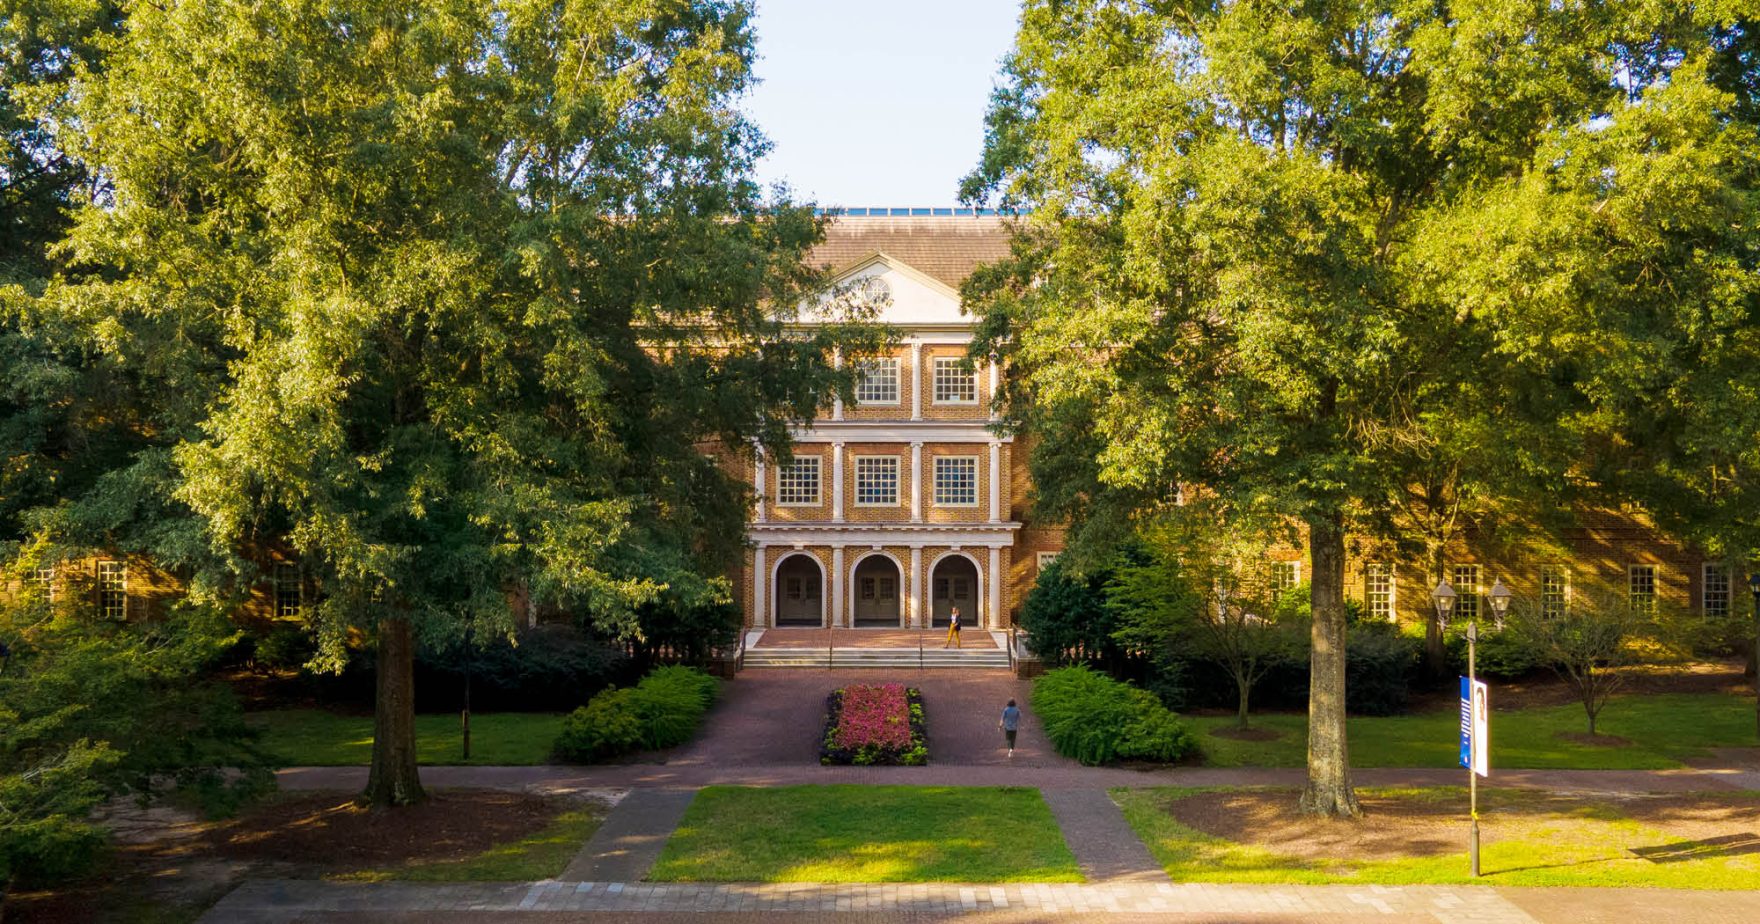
<point>874,724</point>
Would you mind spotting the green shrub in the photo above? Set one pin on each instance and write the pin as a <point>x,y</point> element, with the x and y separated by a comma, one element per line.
<point>606,726</point>
<point>1379,667</point>
<point>1095,719</point>
<point>661,711</point>
<point>670,702</point>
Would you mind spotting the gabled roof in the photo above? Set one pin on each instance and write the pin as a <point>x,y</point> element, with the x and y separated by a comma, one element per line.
<point>943,248</point>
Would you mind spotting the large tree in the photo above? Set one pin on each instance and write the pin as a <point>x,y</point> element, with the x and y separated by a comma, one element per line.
<point>1239,265</point>
<point>456,299</point>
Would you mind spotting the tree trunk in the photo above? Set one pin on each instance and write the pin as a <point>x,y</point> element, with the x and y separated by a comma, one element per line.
<point>1329,789</point>
<point>394,779</point>
<point>1243,688</point>
<point>1435,652</point>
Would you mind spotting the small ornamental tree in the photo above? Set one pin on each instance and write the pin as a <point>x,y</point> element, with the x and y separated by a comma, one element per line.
<point>1594,644</point>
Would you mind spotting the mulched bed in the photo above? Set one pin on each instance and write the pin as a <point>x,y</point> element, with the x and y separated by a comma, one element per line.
<point>1394,827</point>
<point>170,857</point>
<point>330,832</point>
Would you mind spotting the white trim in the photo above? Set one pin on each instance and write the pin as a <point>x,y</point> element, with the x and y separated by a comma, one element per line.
<point>897,431</point>
<point>760,615</point>
<point>760,483</point>
<point>916,482</point>
<point>897,480</point>
<point>916,381</point>
<point>897,265</point>
<point>916,581</point>
<point>977,620</point>
<point>836,589</point>
<point>1041,559</point>
<point>977,535</point>
<point>769,615</point>
<point>852,583</point>
<point>837,482</point>
<point>935,480</point>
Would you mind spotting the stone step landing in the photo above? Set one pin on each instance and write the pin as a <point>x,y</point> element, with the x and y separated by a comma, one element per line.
<point>895,658</point>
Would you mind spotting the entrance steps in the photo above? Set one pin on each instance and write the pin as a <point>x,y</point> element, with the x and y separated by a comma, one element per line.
<point>893,658</point>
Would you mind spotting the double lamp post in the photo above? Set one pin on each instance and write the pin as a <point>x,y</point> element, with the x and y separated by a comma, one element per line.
<point>1445,596</point>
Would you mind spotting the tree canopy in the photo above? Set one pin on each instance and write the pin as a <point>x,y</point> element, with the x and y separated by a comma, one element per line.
<point>1298,254</point>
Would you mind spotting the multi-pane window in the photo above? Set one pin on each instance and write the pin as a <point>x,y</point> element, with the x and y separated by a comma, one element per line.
<point>1641,588</point>
<point>43,582</point>
<point>956,481</point>
<point>797,484</point>
<point>956,382</point>
<point>1468,585</point>
<point>1044,559</point>
<point>1378,590</point>
<point>112,589</point>
<point>289,591</point>
<point>1555,591</point>
<point>884,588</point>
<point>876,481</point>
<point>878,381</point>
<point>1284,575</point>
<point>1714,594</point>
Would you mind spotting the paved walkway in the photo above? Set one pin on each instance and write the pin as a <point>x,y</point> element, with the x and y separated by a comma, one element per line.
<point>561,780</point>
<point>1106,847</point>
<point>632,836</point>
<point>279,901</point>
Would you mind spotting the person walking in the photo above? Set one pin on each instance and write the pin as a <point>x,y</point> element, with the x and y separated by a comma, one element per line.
<point>1010,723</point>
<point>952,629</point>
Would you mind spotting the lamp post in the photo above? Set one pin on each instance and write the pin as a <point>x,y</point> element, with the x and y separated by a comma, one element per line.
<point>1444,597</point>
<point>1754,585</point>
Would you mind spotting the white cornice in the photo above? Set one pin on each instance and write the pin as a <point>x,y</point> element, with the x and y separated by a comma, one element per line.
<point>876,535</point>
<point>899,431</point>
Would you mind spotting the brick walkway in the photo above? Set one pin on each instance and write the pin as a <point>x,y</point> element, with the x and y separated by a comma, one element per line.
<point>278,901</point>
<point>555,779</point>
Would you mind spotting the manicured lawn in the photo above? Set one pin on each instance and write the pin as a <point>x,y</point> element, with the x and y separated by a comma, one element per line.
<point>1664,730</point>
<point>315,738</point>
<point>1419,836</point>
<point>543,855</point>
<point>867,834</point>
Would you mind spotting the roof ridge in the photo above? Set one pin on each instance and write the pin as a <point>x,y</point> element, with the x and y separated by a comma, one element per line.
<point>912,212</point>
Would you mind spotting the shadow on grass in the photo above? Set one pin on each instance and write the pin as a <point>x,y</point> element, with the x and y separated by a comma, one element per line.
<point>1729,845</point>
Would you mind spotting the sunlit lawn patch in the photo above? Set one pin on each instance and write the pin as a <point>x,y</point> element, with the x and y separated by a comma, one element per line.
<point>1698,841</point>
<point>867,834</point>
<point>316,738</point>
<point>1665,730</point>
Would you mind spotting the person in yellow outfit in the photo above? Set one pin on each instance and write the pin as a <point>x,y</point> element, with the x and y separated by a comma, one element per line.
<point>952,629</point>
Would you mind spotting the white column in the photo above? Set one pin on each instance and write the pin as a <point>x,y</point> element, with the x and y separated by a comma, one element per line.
<point>996,482</point>
<point>995,620</point>
<point>916,482</point>
<point>916,587</point>
<point>760,578</point>
<point>836,586</point>
<point>837,406</point>
<point>916,381</point>
<point>995,383</point>
<point>837,482</point>
<point>758,484</point>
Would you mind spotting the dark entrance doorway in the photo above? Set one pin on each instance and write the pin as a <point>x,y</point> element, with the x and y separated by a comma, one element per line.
<point>876,591</point>
<point>954,583</point>
<point>800,597</point>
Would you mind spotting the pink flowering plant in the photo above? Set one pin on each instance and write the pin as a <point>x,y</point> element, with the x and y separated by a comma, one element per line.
<point>874,724</point>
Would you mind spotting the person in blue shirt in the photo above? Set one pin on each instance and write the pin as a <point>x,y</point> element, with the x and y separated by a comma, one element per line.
<point>1010,724</point>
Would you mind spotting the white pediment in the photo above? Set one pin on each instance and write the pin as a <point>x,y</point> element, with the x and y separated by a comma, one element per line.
<point>899,295</point>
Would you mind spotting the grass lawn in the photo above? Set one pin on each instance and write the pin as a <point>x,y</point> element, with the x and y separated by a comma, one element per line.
<point>316,738</point>
<point>867,834</point>
<point>1418,836</point>
<point>1665,730</point>
<point>543,855</point>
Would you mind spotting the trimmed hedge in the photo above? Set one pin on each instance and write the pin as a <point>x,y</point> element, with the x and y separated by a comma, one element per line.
<point>1095,719</point>
<point>662,710</point>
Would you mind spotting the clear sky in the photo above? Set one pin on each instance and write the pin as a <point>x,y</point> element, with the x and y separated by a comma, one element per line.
<point>876,103</point>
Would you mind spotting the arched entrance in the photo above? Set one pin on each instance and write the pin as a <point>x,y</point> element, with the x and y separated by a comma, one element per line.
<point>800,591</point>
<point>954,582</point>
<point>875,592</point>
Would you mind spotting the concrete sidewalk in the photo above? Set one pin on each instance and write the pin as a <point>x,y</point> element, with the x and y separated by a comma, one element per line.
<point>565,779</point>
